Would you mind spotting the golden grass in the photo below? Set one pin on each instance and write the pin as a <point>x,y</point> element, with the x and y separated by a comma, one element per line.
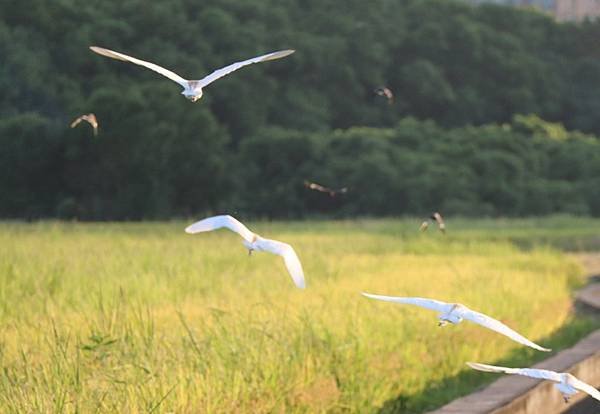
<point>145,318</point>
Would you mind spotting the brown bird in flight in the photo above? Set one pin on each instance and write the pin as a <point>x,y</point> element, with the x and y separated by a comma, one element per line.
<point>386,92</point>
<point>90,119</point>
<point>437,217</point>
<point>320,188</point>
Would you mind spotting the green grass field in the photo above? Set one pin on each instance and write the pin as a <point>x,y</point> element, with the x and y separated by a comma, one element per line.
<point>145,318</point>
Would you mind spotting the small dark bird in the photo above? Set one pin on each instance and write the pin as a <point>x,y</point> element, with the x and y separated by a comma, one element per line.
<point>437,217</point>
<point>320,188</point>
<point>90,119</point>
<point>386,92</point>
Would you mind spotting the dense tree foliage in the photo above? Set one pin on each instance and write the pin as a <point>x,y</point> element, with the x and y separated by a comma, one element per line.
<point>526,167</point>
<point>255,136</point>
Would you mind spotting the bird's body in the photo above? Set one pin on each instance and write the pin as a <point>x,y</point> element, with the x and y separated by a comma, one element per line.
<point>192,89</point>
<point>565,387</point>
<point>323,189</point>
<point>90,119</point>
<point>455,313</point>
<point>254,242</point>
<point>437,217</point>
<point>385,92</point>
<point>566,383</point>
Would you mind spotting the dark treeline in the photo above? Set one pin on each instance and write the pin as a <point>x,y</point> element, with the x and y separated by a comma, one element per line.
<point>256,135</point>
<point>526,167</point>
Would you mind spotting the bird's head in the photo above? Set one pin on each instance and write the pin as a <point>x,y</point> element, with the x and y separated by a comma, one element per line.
<point>449,318</point>
<point>192,95</point>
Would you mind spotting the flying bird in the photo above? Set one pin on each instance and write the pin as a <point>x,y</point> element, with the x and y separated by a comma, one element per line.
<point>385,92</point>
<point>253,241</point>
<point>455,312</point>
<point>322,189</point>
<point>568,384</point>
<point>437,217</point>
<point>192,89</point>
<point>90,119</point>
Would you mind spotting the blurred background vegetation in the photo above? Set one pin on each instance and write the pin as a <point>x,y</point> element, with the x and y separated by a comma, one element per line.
<point>488,100</point>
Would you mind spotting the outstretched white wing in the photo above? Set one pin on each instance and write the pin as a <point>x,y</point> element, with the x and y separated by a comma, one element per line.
<point>540,374</point>
<point>217,222</point>
<point>440,221</point>
<point>120,56</point>
<point>432,304</point>
<point>90,119</point>
<point>290,258</point>
<point>499,327</point>
<point>585,387</point>
<point>527,372</point>
<point>219,73</point>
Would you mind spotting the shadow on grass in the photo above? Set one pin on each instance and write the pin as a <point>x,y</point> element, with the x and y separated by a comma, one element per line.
<point>448,389</point>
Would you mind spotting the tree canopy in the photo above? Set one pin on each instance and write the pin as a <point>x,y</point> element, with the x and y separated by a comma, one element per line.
<point>451,139</point>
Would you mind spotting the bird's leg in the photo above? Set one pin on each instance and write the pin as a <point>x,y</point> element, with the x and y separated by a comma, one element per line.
<point>249,252</point>
<point>442,323</point>
<point>566,398</point>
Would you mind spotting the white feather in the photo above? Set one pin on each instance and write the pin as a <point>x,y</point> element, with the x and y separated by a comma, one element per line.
<point>527,372</point>
<point>463,312</point>
<point>152,66</point>
<point>254,242</point>
<point>290,258</point>
<point>563,378</point>
<point>585,387</point>
<point>432,304</point>
<point>218,222</point>
<point>219,73</point>
<point>496,325</point>
<point>190,84</point>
